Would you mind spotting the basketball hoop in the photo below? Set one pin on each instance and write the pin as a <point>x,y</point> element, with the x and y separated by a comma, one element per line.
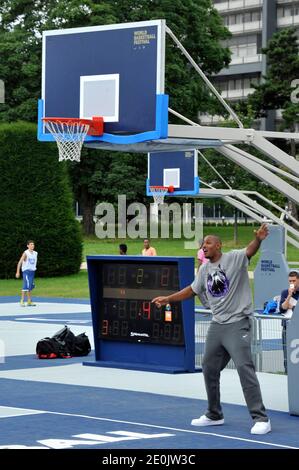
<point>159,193</point>
<point>69,134</point>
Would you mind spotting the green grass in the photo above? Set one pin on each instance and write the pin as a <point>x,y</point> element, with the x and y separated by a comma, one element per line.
<point>76,286</point>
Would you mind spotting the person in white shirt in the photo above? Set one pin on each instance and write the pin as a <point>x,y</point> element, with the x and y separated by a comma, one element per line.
<point>288,300</point>
<point>27,263</point>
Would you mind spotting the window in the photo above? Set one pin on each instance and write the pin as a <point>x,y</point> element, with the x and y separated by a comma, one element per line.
<point>251,50</point>
<point>239,19</point>
<point>226,20</point>
<point>234,51</point>
<point>243,50</point>
<point>222,86</point>
<point>255,16</point>
<point>247,17</point>
<point>246,82</point>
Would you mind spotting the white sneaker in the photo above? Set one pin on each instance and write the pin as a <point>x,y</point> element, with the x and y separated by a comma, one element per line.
<point>261,427</point>
<point>205,421</point>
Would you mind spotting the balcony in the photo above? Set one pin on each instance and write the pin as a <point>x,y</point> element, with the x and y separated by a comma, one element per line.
<point>288,21</point>
<point>246,60</point>
<point>238,94</point>
<point>230,5</point>
<point>285,2</point>
<point>245,27</point>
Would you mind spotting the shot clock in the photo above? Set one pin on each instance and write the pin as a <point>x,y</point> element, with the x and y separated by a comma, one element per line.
<point>129,330</point>
<point>126,312</point>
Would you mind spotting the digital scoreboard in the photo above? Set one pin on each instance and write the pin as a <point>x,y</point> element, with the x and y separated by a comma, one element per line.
<point>126,312</point>
<point>129,330</point>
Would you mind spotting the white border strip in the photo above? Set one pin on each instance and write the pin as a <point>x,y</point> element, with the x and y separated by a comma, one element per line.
<point>75,415</point>
<point>90,29</point>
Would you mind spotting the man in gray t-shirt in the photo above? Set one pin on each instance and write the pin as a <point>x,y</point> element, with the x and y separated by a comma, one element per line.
<point>224,287</point>
<point>222,284</point>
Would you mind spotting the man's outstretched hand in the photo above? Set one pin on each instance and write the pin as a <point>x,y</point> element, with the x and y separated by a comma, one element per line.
<point>159,301</point>
<point>262,232</point>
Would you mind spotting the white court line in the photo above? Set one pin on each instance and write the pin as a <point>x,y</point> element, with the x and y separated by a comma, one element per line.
<point>14,309</point>
<point>271,444</point>
<point>18,412</point>
<point>47,320</point>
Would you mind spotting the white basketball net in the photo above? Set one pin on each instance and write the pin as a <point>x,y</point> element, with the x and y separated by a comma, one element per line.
<point>158,193</point>
<point>69,138</point>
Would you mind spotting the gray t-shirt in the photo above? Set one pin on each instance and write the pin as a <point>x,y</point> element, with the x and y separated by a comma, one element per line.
<point>224,287</point>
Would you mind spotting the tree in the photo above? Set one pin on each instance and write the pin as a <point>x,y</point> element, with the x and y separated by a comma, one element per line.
<point>36,203</point>
<point>276,89</point>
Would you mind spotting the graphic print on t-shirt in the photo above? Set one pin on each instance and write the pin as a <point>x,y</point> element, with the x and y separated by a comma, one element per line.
<point>218,284</point>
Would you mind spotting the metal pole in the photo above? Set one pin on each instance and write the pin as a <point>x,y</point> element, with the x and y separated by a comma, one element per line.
<point>203,76</point>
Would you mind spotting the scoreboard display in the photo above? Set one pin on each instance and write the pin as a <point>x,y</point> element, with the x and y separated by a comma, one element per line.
<point>129,330</point>
<point>126,312</point>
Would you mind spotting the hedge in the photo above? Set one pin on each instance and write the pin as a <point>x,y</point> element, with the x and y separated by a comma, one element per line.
<point>35,203</point>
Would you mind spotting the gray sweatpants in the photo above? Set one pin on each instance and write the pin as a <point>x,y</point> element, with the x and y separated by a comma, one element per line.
<point>225,341</point>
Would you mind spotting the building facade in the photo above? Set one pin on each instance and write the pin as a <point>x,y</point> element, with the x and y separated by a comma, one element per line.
<point>252,23</point>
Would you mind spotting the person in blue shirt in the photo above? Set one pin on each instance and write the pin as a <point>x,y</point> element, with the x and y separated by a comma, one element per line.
<point>288,301</point>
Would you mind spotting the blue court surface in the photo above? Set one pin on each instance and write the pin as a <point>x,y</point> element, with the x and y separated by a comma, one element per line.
<point>61,404</point>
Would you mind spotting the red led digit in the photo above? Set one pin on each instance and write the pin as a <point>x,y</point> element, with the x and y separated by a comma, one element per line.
<point>146,309</point>
<point>105,325</point>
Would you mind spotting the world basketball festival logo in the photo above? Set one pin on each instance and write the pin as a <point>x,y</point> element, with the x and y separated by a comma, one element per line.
<point>218,284</point>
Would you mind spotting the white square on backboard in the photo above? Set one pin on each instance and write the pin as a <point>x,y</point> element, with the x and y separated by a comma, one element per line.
<point>171,177</point>
<point>99,96</point>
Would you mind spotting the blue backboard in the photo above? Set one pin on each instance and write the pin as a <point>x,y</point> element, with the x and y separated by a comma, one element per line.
<point>115,71</point>
<point>178,169</point>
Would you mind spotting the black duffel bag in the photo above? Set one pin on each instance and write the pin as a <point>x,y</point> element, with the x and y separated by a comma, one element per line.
<point>63,344</point>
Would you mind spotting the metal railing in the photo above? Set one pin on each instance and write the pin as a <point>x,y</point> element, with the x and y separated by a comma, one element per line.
<point>267,344</point>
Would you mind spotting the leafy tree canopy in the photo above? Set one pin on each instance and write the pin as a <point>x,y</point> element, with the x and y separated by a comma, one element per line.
<point>275,91</point>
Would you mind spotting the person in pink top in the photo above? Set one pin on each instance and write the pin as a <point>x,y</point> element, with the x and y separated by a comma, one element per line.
<point>201,256</point>
<point>148,250</point>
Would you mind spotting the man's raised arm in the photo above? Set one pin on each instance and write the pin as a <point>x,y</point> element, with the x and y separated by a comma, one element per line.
<point>260,235</point>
